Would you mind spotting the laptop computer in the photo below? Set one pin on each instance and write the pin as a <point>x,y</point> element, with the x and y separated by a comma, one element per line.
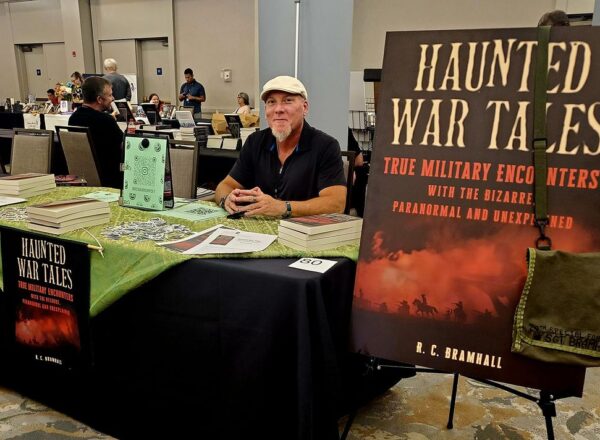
<point>151,113</point>
<point>234,123</point>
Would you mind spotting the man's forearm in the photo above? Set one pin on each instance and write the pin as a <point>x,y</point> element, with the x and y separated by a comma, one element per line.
<point>222,190</point>
<point>325,204</point>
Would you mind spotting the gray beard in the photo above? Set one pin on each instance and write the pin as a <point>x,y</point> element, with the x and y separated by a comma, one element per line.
<point>282,135</point>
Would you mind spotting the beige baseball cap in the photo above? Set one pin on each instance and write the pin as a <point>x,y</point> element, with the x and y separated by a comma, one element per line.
<point>284,84</point>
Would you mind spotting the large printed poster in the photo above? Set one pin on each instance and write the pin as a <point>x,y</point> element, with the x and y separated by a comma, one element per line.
<point>450,202</point>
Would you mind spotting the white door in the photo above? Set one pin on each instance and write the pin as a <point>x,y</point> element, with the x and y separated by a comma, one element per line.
<point>155,71</point>
<point>124,53</point>
<point>35,68</point>
<point>56,63</point>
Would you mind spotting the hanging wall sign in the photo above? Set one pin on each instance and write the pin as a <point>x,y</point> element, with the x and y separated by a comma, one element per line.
<point>449,211</point>
<point>47,281</point>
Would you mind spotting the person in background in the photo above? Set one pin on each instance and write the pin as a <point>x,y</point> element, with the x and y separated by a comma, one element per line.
<point>192,93</point>
<point>154,99</point>
<point>289,169</point>
<point>52,98</point>
<point>104,130</point>
<point>158,104</point>
<point>77,81</point>
<point>361,173</point>
<point>243,101</point>
<point>554,18</point>
<point>120,85</point>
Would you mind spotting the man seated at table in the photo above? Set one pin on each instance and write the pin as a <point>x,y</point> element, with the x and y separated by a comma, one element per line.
<point>104,130</point>
<point>288,169</point>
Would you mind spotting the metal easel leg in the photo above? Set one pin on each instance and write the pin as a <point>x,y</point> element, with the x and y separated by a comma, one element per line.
<point>348,425</point>
<point>546,404</point>
<point>450,424</point>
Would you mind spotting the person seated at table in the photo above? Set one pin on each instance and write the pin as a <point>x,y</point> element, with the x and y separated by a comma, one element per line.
<point>104,130</point>
<point>243,101</point>
<point>52,98</point>
<point>154,99</point>
<point>288,169</point>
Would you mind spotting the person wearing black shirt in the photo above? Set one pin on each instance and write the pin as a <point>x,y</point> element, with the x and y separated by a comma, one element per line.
<point>104,130</point>
<point>288,169</point>
<point>361,174</point>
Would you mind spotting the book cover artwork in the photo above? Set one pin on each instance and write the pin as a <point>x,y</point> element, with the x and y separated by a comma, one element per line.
<point>449,211</point>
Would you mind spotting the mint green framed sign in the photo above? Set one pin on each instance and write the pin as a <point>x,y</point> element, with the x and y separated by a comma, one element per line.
<point>147,182</point>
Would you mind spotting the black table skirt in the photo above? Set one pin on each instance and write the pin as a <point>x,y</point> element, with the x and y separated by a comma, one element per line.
<point>252,346</point>
<point>224,349</point>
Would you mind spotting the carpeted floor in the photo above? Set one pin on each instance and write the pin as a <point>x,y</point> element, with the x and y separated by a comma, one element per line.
<point>417,409</point>
<point>25,419</point>
<point>414,409</point>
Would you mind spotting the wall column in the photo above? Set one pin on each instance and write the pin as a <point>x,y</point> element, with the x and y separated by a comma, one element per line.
<point>324,58</point>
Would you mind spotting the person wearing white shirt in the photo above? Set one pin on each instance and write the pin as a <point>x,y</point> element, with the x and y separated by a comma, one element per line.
<point>243,103</point>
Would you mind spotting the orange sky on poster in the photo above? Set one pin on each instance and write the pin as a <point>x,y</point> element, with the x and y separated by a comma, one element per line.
<point>485,273</point>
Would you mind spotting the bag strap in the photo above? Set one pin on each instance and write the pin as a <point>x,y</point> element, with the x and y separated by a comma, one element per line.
<point>540,140</point>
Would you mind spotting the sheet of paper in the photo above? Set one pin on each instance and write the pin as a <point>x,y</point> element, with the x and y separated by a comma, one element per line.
<point>189,242</point>
<point>104,196</point>
<point>313,264</point>
<point>232,241</point>
<point>6,200</point>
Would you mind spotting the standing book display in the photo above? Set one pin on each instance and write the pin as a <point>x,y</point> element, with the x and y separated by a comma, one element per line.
<point>47,286</point>
<point>449,209</point>
<point>147,180</point>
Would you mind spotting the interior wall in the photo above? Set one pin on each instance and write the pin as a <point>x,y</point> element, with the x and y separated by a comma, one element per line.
<point>372,18</point>
<point>132,20</point>
<point>37,21</point>
<point>118,19</point>
<point>9,84</point>
<point>211,36</point>
<point>77,30</point>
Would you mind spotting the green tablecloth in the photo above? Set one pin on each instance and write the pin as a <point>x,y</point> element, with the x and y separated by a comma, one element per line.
<point>127,265</point>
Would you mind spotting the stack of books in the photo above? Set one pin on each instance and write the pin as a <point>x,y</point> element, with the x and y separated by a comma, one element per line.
<point>67,215</point>
<point>26,184</point>
<point>187,134</point>
<point>201,135</point>
<point>319,232</point>
<point>69,180</point>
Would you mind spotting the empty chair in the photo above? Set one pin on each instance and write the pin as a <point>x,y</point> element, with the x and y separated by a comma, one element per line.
<point>350,156</point>
<point>80,153</point>
<point>31,151</point>
<point>184,164</point>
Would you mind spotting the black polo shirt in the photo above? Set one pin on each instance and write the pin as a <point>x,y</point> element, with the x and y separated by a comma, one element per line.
<point>315,164</point>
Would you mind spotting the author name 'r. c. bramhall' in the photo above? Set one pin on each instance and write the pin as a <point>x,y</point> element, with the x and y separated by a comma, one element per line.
<point>460,355</point>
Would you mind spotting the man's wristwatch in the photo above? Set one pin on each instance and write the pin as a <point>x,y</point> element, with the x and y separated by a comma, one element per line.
<point>288,210</point>
<point>222,201</point>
